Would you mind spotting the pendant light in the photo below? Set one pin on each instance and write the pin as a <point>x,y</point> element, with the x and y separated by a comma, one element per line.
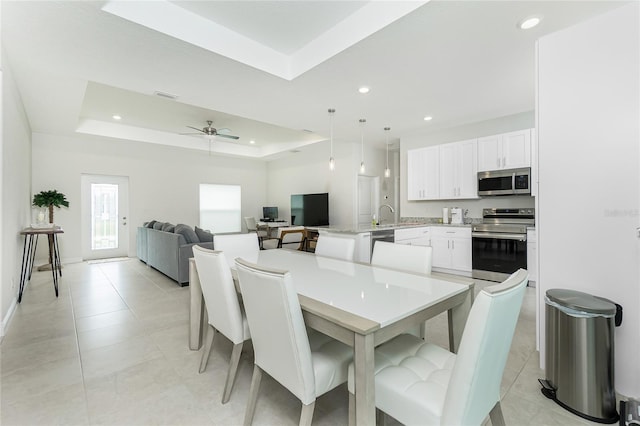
<point>387,170</point>
<point>362,122</point>
<point>332,163</point>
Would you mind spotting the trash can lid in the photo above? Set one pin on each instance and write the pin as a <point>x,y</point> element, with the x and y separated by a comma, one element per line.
<point>581,301</point>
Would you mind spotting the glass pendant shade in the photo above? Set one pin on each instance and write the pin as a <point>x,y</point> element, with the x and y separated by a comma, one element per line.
<point>332,162</point>
<point>362,167</point>
<point>387,170</point>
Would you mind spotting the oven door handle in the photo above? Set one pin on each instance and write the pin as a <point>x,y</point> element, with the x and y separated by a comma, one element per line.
<point>494,236</point>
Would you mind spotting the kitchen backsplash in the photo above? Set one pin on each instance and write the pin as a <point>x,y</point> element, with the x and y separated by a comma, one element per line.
<point>467,220</point>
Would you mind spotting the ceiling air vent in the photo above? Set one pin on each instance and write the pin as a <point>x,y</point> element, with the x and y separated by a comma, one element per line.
<point>165,95</point>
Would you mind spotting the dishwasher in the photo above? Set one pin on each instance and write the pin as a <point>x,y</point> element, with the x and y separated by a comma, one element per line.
<point>381,235</point>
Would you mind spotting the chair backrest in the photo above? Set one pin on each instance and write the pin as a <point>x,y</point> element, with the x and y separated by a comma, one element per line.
<point>336,247</point>
<point>402,256</point>
<point>291,236</point>
<point>474,387</point>
<point>219,293</point>
<point>251,223</point>
<point>280,340</point>
<point>238,245</point>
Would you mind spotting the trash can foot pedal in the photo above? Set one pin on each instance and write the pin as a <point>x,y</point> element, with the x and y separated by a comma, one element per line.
<point>547,390</point>
<point>550,392</point>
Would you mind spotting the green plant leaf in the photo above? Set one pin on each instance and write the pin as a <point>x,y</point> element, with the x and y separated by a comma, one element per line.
<point>50,198</point>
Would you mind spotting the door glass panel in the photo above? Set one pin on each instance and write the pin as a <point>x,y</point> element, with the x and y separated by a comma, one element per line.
<point>104,216</point>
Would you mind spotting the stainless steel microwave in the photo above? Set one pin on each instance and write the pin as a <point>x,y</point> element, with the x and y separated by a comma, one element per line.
<point>505,182</point>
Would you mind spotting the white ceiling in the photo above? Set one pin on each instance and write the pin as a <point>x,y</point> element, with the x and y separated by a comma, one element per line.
<point>460,61</point>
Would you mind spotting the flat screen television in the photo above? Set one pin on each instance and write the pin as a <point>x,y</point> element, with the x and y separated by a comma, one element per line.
<point>270,213</point>
<point>310,209</point>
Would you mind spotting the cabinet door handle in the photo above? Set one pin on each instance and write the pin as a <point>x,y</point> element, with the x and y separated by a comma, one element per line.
<point>448,244</point>
<point>504,161</point>
<point>453,245</point>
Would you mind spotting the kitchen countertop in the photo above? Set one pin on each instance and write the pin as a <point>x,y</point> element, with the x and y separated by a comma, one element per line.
<point>384,227</point>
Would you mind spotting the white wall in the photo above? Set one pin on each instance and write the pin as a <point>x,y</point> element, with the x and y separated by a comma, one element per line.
<point>308,172</point>
<point>506,124</point>
<point>589,164</point>
<point>15,184</point>
<point>163,181</point>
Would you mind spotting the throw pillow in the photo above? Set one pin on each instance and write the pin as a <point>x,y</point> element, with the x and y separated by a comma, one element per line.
<point>167,227</point>
<point>150,224</point>
<point>204,236</point>
<point>158,226</point>
<point>189,234</point>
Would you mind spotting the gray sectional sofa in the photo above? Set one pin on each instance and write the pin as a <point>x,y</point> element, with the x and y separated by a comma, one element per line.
<point>169,250</point>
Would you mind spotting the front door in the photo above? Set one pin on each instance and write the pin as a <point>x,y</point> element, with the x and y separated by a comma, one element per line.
<point>105,211</point>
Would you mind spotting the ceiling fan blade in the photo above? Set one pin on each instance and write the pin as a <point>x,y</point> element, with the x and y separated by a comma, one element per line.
<point>228,136</point>
<point>199,134</point>
<point>195,128</point>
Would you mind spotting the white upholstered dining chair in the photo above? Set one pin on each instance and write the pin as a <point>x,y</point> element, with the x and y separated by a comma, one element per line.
<point>421,383</point>
<point>403,257</point>
<point>237,245</point>
<point>307,364</point>
<point>336,247</point>
<point>262,231</point>
<point>223,309</point>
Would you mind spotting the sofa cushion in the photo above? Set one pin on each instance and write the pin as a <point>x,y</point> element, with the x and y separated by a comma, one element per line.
<point>189,234</point>
<point>158,226</point>
<point>168,227</point>
<point>150,224</point>
<point>204,235</point>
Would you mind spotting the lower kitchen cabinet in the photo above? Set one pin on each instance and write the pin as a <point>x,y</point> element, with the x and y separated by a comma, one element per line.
<point>451,248</point>
<point>413,236</point>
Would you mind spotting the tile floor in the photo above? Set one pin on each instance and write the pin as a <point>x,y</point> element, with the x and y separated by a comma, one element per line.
<point>113,350</point>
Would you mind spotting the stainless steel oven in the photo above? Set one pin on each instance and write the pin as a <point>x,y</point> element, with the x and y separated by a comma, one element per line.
<point>499,244</point>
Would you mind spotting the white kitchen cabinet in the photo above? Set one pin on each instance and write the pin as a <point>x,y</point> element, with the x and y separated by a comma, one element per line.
<point>505,151</point>
<point>451,248</point>
<point>419,236</point>
<point>532,255</point>
<point>423,181</point>
<point>458,170</point>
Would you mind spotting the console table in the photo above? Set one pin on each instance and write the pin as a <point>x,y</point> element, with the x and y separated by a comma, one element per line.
<point>29,254</point>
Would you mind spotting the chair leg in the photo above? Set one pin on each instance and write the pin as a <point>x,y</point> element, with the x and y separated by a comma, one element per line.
<point>352,409</point>
<point>307,414</point>
<point>253,395</point>
<point>206,350</point>
<point>497,419</point>
<point>231,374</point>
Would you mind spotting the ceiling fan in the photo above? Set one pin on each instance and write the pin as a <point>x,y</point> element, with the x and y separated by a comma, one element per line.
<point>210,131</point>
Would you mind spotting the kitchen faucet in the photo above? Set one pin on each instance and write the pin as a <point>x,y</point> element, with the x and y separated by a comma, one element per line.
<point>391,209</point>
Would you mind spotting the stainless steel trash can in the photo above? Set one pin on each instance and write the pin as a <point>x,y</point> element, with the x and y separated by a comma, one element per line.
<point>580,354</point>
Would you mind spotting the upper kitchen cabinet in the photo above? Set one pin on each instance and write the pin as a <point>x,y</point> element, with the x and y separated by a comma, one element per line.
<point>458,170</point>
<point>506,151</point>
<point>423,173</point>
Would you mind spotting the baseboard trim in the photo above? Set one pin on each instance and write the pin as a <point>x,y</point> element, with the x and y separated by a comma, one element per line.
<point>8,317</point>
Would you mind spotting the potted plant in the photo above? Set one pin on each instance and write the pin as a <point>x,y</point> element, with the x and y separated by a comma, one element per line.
<point>50,199</point>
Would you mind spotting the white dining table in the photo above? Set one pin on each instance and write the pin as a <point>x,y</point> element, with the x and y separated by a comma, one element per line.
<point>358,304</point>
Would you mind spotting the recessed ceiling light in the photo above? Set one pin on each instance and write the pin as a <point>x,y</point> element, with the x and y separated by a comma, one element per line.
<point>530,22</point>
<point>364,89</point>
<point>428,118</point>
<point>252,142</point>
<point>116,117</point>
